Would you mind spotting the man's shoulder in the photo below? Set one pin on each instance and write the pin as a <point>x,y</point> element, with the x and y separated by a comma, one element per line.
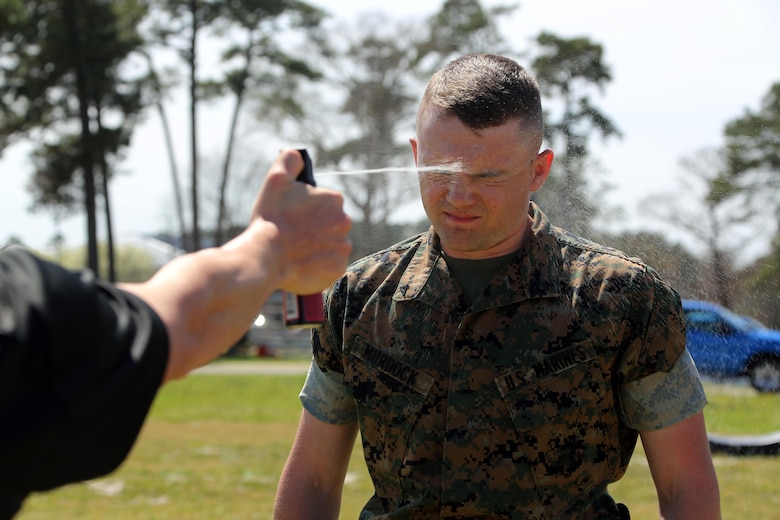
<point>583,250</point>
<point>606,274</point>
<point>390,257</point>
<point>556,244</point>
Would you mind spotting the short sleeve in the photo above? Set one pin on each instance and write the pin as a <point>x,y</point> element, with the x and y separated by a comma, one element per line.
<point>324,397</point>
<point>663,399</point>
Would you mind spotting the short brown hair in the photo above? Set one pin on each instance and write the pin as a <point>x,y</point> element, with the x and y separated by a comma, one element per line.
<point>483,91</point>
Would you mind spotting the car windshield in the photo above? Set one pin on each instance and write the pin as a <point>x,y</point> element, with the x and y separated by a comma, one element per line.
<point>714,318</point>
<point>740,322</point>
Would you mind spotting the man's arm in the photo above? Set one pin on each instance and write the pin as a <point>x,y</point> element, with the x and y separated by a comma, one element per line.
<point>296,241</point>
<point>313,478</point>
<point>681,466</point>
<point>81,362</point>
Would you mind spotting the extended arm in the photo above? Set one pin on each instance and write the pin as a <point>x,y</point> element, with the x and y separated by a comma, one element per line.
<point>81,361</point>
<point>313,478</point>
<point>681,465</point>
<point>296,241</point>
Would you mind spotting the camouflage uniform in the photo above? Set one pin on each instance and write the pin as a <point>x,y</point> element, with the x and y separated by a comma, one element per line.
<point>508,407</point>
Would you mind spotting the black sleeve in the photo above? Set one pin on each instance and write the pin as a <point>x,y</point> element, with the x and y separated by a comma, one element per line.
<point>80,365</point>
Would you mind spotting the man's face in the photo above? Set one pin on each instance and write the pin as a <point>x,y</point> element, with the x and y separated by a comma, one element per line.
<point>476,186</point>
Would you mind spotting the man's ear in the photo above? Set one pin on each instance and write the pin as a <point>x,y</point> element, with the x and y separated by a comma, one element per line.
<point>541,168</point>
<point>413,142</point>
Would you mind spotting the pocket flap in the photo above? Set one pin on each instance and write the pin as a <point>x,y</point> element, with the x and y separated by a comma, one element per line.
<point>552,387</point>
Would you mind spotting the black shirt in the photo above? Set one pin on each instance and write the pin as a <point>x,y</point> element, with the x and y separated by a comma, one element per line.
<point>80,365</point>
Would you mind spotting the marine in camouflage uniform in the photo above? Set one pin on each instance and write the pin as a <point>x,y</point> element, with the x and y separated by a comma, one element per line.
<point>496,367</point>
<point>526,402</point>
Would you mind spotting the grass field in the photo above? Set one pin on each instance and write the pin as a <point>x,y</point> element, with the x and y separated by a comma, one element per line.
<point>214,446</point>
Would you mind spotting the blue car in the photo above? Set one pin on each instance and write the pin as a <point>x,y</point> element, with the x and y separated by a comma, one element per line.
<point>723,343</point>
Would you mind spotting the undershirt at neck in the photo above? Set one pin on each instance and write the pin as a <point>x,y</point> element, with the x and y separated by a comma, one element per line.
<point>474,275</point>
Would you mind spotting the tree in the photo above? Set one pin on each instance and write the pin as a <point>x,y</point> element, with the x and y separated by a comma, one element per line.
<point>261,67</point>
<point>753,173</point>
<point>462,27</point>
<point>567,69</point>
<point>675,263</point>
<point>61,86</point>
<point>258,68</point>
<point>133,263</point>
<point>157,86</point>
<point>701,210</point>
<point>372,72</point>
<point>177,24</point>
<point>376,76</point>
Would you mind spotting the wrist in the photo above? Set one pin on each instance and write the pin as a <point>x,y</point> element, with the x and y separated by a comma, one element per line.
<point>260,244</point>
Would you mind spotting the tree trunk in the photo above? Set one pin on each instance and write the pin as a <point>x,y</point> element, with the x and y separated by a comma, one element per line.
<point>174,174</point>
<point>193,124</point>
<point>69,15</point>
<point>104,171</point>
<point>177,194</point>
<point>220,228</point>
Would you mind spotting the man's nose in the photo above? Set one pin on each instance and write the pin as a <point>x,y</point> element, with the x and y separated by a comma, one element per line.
<point>460,189</point>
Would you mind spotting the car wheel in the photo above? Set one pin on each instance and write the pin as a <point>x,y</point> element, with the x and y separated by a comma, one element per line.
<point>765,375</point>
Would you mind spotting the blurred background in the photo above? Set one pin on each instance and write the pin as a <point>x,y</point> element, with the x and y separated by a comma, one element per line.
<point>134,130</point>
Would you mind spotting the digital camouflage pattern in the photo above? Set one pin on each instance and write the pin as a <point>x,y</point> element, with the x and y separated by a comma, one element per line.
<point>507,408</point>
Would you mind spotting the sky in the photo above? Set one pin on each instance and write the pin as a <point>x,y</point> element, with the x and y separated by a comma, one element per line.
<point>681,70</point>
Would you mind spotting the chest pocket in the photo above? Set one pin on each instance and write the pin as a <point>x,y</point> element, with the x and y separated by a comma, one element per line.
<point>564,412</point>
<point>389,394</point>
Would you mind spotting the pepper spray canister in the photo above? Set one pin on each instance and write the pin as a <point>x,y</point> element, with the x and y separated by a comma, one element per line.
<point>303,311</point>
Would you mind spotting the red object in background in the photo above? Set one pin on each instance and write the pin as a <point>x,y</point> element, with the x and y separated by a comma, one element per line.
<point>303,311</point>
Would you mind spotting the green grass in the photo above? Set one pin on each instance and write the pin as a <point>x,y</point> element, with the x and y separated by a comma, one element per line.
<point>740,410</point>
<point>214,447</point>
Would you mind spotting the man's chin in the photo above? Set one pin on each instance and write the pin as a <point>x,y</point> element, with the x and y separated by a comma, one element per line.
<point>459,243</point>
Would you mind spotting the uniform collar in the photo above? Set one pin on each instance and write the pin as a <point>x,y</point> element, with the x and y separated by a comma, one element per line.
<point>535,273</point>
